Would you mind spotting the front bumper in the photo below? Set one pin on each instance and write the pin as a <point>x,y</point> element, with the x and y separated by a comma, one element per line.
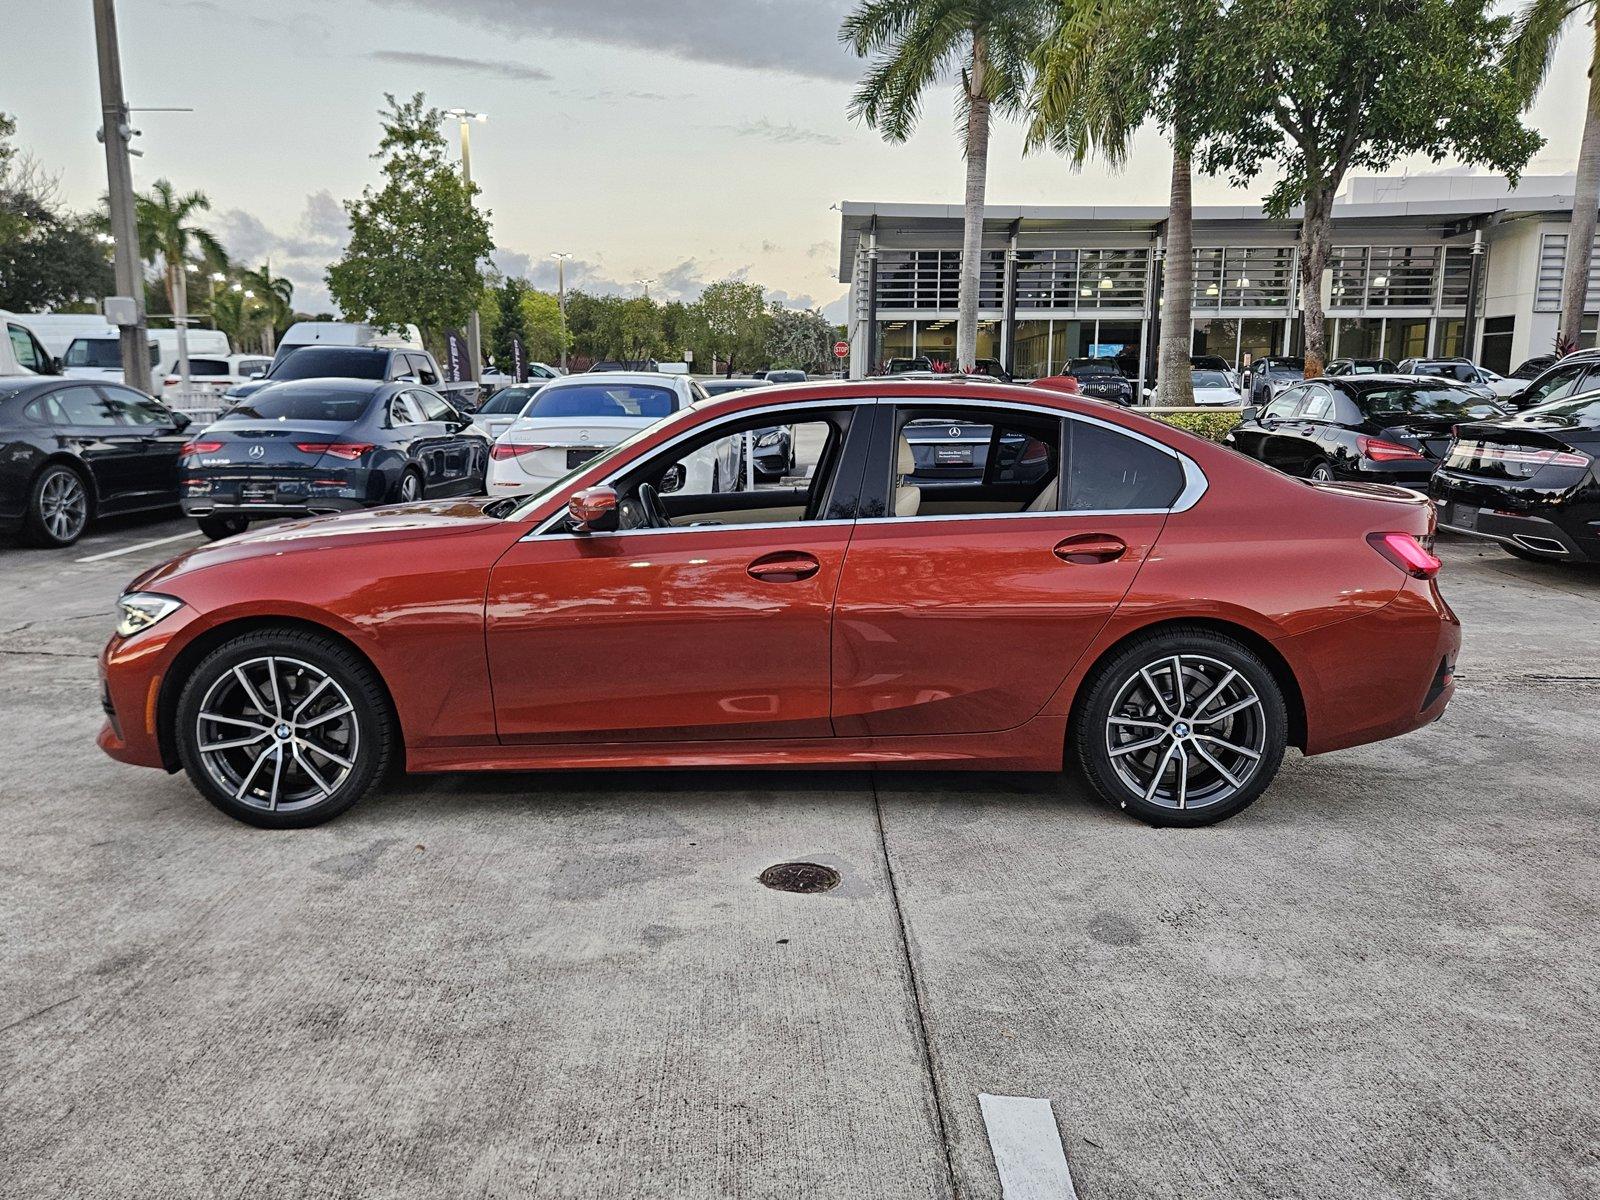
<point>132,673</point>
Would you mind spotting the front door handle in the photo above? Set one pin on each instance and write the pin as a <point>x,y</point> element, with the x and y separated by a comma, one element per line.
<point>1087,548</point>
<point>784,566</point>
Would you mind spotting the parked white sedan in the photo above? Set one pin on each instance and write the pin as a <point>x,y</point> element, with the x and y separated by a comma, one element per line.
<point>500,411</point>
<point>573,418</point>
<point>1215,389</point>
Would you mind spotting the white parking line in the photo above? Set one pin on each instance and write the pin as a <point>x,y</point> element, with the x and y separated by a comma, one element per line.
<point>1027,1148</point>
<point>177,537</point>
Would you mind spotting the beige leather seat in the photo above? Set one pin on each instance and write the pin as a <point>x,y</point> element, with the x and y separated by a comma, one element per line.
<point>1045,501</point>
<point>907,496</point>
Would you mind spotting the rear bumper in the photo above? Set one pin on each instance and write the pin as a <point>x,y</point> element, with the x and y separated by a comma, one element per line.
<point>1566,526</point>
<point>272,512</point>
<point>1377,676</point>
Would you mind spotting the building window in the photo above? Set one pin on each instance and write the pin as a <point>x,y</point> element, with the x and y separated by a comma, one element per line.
<point>1451,331</point>
<point>1458,274</point>
<point>1495,349</point>
<point>1357,337</point>
<point>931,279</point>
<point>1403,338</point>
<point>1402,276</point>
<point>895,340</point>
<point>1552,261</point>
<point>1030,355</point>
<point>1349,267</point>
<point>1047,278</point>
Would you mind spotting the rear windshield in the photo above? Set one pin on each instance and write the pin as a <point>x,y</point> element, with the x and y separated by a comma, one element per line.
<point>207,366</point>
<point>1094,368</point>
<point>302,404</point>
<point>1459,371</point>
<point>1211,379</point>
<point>604,400</point>
<point>1285,371</point>
<point>1412,401</point>
<point>507,400</point>
<point>332,362</point>
<point>105,353</point>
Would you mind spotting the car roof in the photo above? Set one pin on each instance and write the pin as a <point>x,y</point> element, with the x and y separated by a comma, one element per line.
<point>658,378</point>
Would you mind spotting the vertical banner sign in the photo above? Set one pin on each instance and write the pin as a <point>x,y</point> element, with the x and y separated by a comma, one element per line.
<point>519,359</point>
<point>455,355</point>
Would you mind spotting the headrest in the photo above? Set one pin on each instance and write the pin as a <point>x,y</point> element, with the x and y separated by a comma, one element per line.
<point>906,462</point>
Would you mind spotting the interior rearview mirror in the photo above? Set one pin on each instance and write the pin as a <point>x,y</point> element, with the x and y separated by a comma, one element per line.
<point>593,510</point>
<point>672,479</point>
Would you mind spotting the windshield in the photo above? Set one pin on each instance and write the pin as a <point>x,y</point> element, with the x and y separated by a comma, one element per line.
<point>325,362</point>
<point>1409,400</point>
<point>1570,411</point>
<point>1211,379</point>
<point>507,400</point>
<point>1090,367</point>
<point>1458,371</point>
<point>104,353</point>
<point>301,404</point>
<point>604,400</point>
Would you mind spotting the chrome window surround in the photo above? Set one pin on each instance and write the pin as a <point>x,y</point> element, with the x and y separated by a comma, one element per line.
<point>1194,487</point>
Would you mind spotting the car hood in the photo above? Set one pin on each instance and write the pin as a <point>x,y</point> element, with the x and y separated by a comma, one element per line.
<point>314,535</point>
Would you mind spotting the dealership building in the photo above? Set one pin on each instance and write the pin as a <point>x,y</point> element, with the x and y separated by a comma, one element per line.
<point>1433,265</point>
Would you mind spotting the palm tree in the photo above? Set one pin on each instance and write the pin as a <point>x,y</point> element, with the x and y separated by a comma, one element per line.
<point>1537,30</point>
<point>164,219</point>
<point>1106,67</point>
<point>913,44</point>
<point>275,293</point>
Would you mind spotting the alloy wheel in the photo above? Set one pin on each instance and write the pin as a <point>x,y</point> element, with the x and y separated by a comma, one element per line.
<point>410,488</point>
<point>1322,473</point>
<point>277,734</point>
<point>1186,731</point>
<point>63,506</point>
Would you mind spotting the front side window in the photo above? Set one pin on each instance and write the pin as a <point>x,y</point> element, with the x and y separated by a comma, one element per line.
<point>135,409</point>
<point>83,406</point>
<point>432,407</point>
<point>25,349</point>
<point>422,368</point>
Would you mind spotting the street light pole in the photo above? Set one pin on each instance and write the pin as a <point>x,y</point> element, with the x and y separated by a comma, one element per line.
<point>645,283</point>
<point>561,257</point>
<point>474,327</point>
<point>115,132</point>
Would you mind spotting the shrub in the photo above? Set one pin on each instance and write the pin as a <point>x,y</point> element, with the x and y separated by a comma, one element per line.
<point>1208,423</point>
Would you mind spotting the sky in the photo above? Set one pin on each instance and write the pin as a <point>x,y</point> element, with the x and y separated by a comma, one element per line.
<point>681,142</point>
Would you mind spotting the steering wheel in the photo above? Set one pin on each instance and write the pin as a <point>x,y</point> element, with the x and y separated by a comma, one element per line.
<point>655,517</point>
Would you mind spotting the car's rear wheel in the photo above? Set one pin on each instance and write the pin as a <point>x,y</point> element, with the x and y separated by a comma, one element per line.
<point>284,728</point>
<point>217,528</point>
<point>58,507</point>
<point>1182,727</point>
<point>410,488</point>
<point>1321,472</point>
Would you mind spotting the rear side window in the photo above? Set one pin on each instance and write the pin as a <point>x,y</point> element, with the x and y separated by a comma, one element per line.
<point>1110,471</point>
<point>1320,406</point>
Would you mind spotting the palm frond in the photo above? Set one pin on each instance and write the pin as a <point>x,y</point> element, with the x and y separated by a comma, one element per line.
<point>1535,34</point>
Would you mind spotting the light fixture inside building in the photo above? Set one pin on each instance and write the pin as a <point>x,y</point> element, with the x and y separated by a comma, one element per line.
<point>1380,281</point>
<point>1105,282</point>
<point>1211,289</point>
<point>1085,292</point>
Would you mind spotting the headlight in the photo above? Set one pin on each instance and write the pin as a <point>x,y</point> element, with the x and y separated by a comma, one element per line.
<point>140,610</point>
<point>771,438</point>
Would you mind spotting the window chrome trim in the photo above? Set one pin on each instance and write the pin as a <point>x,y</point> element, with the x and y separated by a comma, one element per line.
<point>705,528</point>
<point>694,431</point>
<point>1195,481</point>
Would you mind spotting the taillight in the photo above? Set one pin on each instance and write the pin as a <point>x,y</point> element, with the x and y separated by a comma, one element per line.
<point>1379,450</point>
<point>349,451</point>
<point>1405,552</point>
<point>201,447</point>
<point>505,450</point>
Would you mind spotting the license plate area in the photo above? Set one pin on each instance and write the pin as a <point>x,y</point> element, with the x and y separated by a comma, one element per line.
<point>1462,516</point>
<point>577,457</point>
<point>257,493</point>
<point>952,456</point>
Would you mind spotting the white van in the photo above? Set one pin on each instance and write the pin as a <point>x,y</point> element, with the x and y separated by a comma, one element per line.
<point>55,331</point>
<point>344,333</point>
<point>21,352</point>
<point>99,356</point>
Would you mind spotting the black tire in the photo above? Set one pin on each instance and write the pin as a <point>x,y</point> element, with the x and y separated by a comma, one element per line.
<point>410,488</point>
<point>217,528</point>
<point>60,503</point>
<point>1261,727</point>
<point>375,737</point>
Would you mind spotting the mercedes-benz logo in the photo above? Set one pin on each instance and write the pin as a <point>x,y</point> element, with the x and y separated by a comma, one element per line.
<point>955,431</point>
<point>583,435</point>
<point>258,451</point>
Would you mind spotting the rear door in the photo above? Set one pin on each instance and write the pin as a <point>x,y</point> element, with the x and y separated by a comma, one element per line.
<point>162,440</point>
<point>423,440</point>
<point>461,450</point>
<point>964,609</point>
<point>112,449</point>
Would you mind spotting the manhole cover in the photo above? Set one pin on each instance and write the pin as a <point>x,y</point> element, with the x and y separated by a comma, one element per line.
<point>800,877</point>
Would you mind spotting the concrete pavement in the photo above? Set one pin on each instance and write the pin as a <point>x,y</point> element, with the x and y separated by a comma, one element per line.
<point>1378,981</point>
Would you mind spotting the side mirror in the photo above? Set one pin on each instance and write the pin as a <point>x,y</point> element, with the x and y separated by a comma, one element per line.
<point>180,421</point>
<point>55,367</point>
<point>1249,413</point>
<point>256,375</point>
<point>672,479</point>
<point>405,379</point>
<point>593,510</point>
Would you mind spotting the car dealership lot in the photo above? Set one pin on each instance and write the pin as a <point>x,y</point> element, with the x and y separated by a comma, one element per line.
<point>1375,981</point>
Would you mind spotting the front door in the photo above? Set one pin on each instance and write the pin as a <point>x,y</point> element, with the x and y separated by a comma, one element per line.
<point>706,617</point>
<point>964,612</point>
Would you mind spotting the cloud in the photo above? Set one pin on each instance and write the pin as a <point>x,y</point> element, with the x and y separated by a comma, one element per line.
<point>797,37</point>
<point>501,70</point>
<point>302,254</point>
<point>783,135</point>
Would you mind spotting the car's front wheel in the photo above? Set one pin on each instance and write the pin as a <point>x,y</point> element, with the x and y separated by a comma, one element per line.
<point>284,728</point>
<point>1181,727</point>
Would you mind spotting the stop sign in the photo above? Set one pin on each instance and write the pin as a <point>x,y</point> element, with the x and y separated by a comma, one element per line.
<point>841,349</point>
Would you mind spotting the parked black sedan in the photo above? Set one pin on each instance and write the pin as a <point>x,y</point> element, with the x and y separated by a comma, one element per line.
<point>1376,428</point>
<point>71,450</point>
<point>1528,481</point>
<point>328,445</point>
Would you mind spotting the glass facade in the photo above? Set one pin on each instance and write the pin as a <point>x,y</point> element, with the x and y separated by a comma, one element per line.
<point>1243,277</point>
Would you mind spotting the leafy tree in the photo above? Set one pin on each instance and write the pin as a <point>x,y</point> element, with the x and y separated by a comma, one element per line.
<point>500,314</point>
<point>417,243</point>
<point>1106,68</point>
<point>541,321</point>
<point>800,338</point>
<point>1314,88</point>
<point>733,321</point>
<point>914,44</point>
<point>166,232</point>
<point>56,263</point>
<point>1535,35</point>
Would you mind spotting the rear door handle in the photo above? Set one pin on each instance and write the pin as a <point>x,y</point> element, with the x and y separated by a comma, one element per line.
<point>1087,548</point>
<point>784,566</point>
